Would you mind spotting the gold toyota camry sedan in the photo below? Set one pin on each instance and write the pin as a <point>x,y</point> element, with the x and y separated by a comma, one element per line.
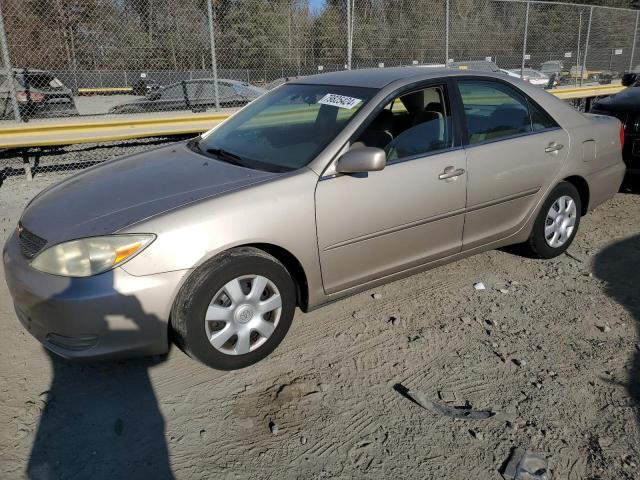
<point>321,188</point>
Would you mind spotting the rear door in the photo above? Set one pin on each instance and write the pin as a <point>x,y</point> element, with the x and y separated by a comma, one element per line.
<point>514,151</point>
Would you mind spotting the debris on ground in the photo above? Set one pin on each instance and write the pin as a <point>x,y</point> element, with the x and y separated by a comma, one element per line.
<point>526,465</point>
<point>574,257</point>
<point>274,428</point>
<point>447,396</point>
<point>376,296</point>
<point>479,286</point>
<point>464,412</point>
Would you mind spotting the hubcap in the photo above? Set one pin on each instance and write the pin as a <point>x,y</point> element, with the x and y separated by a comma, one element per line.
<point>560,221</point>
<point>243,314</point>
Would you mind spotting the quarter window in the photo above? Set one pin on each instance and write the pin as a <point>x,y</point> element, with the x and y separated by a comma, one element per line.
<point>539,119</point>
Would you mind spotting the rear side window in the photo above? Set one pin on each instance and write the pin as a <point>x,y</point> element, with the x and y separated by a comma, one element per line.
<point>494,111</point>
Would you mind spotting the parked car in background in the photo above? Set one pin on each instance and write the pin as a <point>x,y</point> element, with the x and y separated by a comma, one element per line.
<point>195,95</point>
<point>278,81</point>
<point>321,188</point>
<point>630,79</point>
<point>38,93</point>
<point>625,106</point>
<point>144,86</point>
<point>534,77</point>
<point>578,72</point>
<point>510,73</point>
<point>551,67</point>
<point>477,65</point>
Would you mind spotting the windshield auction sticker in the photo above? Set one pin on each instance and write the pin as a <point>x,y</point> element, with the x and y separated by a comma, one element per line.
<point>339,101</point>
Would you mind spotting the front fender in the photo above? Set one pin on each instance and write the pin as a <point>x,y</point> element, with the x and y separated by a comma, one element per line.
<point>279,212</point>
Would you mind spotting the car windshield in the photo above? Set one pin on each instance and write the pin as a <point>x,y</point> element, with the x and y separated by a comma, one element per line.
<point>286,128</point>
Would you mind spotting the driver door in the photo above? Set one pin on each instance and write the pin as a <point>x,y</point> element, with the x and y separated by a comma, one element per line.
<point>374,224</point>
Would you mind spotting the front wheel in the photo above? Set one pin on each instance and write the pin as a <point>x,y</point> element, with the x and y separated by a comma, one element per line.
<point>235,309</point>
<point>557,223</point>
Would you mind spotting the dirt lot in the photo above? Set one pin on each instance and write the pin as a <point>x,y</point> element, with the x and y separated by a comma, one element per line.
<point>550,347</point>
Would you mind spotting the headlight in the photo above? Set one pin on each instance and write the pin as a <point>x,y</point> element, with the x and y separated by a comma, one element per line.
<point>90,256</point>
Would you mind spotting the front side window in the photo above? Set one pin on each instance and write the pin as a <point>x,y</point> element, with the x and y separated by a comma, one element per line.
<point>286,128</point>
<point>493,111</point>
<point>412,124</point>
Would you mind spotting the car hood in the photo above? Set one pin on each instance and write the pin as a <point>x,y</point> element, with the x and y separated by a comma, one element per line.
<point>121,192</point>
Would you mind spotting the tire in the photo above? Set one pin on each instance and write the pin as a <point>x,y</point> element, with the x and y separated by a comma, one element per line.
<point>231,280</point>
<point>539,245</point>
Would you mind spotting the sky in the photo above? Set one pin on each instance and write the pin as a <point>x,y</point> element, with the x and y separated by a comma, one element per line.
<point>316,4</point>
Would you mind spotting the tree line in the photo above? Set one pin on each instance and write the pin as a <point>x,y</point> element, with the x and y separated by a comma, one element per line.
<point>292,34</point>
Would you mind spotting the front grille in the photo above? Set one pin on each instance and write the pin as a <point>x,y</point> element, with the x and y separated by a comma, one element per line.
<point>30,243</point>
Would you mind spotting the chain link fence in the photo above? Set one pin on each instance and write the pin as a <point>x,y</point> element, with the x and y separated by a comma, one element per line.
<point>64,58</point>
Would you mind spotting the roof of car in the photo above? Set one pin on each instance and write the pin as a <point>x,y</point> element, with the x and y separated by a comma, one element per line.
<point>380,77</point>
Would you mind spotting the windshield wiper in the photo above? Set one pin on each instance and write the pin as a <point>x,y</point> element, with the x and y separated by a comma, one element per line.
<point>227,156</point>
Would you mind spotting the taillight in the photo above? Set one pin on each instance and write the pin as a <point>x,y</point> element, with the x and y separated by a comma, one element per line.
<point>621,136</point>
<point>22,96</point>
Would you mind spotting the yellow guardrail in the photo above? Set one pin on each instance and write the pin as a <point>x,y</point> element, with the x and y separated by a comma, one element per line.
<point>68,132</point>
<point>104,130</point>
<point>586,92</point>
<point>104,90</point>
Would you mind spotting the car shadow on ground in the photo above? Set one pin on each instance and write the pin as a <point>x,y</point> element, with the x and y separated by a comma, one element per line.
<point>101,420</point>
<point>631,184</point>
<point>618,266</point>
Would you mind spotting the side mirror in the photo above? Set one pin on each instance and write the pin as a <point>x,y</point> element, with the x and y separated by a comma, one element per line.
<point>629,79</point>
<point>362,159</point>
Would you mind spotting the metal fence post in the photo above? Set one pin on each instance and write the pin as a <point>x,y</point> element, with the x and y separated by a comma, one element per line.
<point>586,48</point>
<point>578,53</point>
<point>4,46</point>
<point>350,12</point>
<point>446,34</point>
<point>214,64</point>
<point>524,40</point>
<point>348,34</point>
<point>635,36</point>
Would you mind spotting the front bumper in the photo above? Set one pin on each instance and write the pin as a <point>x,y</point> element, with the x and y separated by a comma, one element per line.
<point>107,316</point>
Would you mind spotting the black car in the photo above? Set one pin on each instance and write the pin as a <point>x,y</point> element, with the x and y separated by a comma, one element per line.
<point>38,94</point>
<point>195,95</point>
<point>145,86</point>
<point>625,106</point>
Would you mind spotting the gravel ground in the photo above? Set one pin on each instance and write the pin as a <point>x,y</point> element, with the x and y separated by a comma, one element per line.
<point>550,348</point>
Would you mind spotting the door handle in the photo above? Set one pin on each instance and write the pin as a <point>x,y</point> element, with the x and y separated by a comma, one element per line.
<point>553,147</point>
<point>451,173</point>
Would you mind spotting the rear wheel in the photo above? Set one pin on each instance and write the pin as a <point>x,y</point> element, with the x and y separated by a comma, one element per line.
<point>235,309</point>
<point>557,223</point>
